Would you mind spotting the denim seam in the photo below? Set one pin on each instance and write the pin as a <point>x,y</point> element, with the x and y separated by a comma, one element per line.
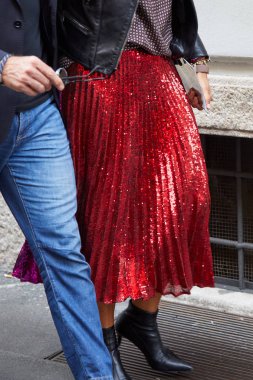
<point>48,273</point>
<point>20,137</point>
<point>13,147</point>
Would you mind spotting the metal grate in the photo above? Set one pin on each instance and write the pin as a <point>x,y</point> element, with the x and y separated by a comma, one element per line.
<point>247,202</point>
<point>223,222</point>
<point>225,260</point>
<point>218,345</point>
<point>247,156</point>
<point>248,267</point>
<point>219,153</point>
<point>230,167</point>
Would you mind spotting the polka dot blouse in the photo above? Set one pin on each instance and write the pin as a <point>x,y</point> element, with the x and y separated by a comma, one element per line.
<point>151,28</point>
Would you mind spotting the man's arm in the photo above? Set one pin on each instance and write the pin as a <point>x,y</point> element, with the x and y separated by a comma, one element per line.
<point>29,75</point>
<point>2,54</point>
<point>3,59</point>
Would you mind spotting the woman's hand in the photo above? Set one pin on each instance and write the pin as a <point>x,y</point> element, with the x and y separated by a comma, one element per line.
<point>195,99</point>
<point>204,82</point>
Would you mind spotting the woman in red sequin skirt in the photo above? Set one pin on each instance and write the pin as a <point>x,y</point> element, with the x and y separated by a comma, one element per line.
<point>143,198</point>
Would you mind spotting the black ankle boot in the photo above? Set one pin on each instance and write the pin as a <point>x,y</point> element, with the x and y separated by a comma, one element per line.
<point>140,327</point>
<point>111,342</point>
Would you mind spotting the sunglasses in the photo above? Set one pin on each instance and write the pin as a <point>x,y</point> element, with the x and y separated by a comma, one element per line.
<point>63,74</point>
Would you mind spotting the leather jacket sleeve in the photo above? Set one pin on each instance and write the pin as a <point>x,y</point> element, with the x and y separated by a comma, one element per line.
<point>198,50</point>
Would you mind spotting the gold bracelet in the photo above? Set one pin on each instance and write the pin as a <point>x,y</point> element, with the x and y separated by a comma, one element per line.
<point>203,61</point>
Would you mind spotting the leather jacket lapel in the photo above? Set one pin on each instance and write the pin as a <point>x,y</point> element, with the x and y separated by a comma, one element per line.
<point>18,4</point>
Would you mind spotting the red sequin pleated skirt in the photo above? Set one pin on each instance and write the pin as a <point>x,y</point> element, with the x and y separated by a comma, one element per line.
<point>143,198</point>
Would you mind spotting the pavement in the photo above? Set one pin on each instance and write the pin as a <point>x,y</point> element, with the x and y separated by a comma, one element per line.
<point>28,336</point>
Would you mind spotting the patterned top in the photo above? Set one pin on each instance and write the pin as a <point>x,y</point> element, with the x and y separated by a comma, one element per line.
<point>151,29</point>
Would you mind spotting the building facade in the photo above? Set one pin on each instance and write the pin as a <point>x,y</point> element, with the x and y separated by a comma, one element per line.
<point>226,28</point>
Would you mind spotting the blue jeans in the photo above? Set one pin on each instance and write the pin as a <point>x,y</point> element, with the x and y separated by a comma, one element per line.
<point>38,184</point>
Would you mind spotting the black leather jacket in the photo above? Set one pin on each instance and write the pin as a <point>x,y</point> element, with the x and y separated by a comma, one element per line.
<point>94,32</point>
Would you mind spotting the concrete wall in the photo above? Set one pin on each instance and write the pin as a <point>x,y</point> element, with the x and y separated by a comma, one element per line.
<point>226,26</point>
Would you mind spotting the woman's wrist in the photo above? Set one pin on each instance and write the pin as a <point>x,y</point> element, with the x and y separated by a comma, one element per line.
<point>201,65</point>
<point>202,68</point>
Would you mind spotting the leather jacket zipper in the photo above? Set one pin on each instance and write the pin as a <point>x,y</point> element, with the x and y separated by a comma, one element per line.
<point>75,22</point>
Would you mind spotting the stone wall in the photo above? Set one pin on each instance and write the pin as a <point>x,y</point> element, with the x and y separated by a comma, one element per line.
<point>232,107</point>
<point>11,237</point>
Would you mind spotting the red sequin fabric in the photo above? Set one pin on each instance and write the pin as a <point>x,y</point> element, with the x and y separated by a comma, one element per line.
<point>143,198</point>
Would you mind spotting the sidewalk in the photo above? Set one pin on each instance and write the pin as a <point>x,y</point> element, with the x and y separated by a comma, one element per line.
<point>27,334</point>
<point>228,300</point>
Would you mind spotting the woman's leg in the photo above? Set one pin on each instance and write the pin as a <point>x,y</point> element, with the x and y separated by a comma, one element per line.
<point>106,312</point>
<point>151,305</point>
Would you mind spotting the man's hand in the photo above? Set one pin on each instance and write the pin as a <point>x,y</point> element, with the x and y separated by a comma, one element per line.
<point>204,82</point>
<point>30,76</point>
